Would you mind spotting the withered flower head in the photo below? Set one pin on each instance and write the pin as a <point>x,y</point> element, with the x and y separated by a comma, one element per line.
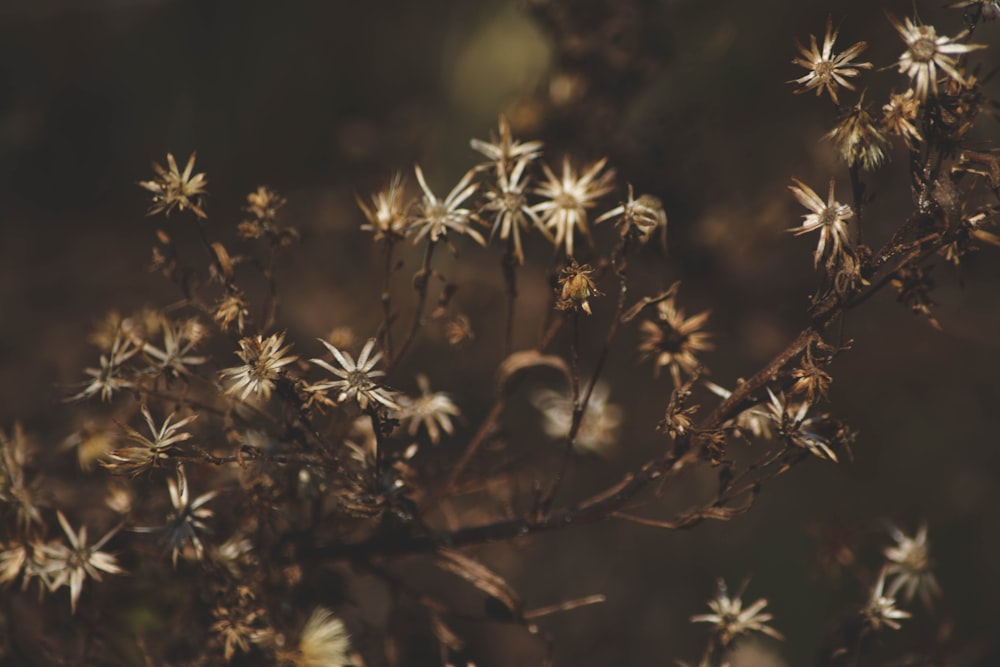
<point>576,287</point>
<point>926,53</point>
<point>881,609</point>
<point>357,380</point>
<point>798,428</point>
<point>388,213</point>
<point>599,425</point>
<point>977,10</point>
<point>108,379</point>
<point>731,619</point>
<point>810,380</point>
<point>673,340</point>
<point>186,523</point>
<point>263,204</point>
<point>173,189</point>
<point>179,340</point>
<point>509,204</point>
<point>641,217</point>
<point>431,411</point>
<point>898,116</point>
<point>232,312</point>
<point>324,641</point>
<point>567,199</point>
<point>503,151</point>
<point>265,359</point>
<point>826,70</point>
<point>458,330</point>
<point>71,565</point>
<point>148,452</point>
<point>857,139</point>
<point>434,217</point>
<point>909,564</point>
<point>830,218</point>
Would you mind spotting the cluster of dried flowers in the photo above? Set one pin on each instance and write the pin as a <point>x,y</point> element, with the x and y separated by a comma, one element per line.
<point>307,454</point>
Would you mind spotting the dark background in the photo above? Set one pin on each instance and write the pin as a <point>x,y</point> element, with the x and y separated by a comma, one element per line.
<point>323,99</point>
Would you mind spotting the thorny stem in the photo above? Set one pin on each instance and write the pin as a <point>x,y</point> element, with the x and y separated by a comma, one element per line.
<point>421,282</point>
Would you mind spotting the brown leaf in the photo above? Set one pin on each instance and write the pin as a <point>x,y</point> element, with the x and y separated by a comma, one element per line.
<point>481,577</point>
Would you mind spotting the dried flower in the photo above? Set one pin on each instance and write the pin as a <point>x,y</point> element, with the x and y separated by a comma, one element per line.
<point>431,410</point>
<point>828,71</point>
<point>508,202</point>
<point>357,381</point>
<point>898,116</point>
<point>926,53</point>
<point>830,218</point>
<point>798,428</point>
<point>434,217</point>
<point>810,380</point>
<point>503,151</point>
<point>458,330</point>
<point>857,139</point>
<point>731,619</point>
<point>387,215</point>
<point>15,490</point>
<point>74,563</point>
<point>264,204</point>
<point>673,340</point>
<point>175,190</point>
<point>977,10</point>
<point>264,363</point>
<point>599,424</point>
<point>107,379</point>
<point>576,287</point>
<point>179,340</point>
<point>187,520</point>
<point>147,453</point>
<point>881,609</point>
<point>755,419</point>
<point>568,198</point>
<point>324,641</point>
<point>232,309</point>
<point>910,566</point>
<point>639,217</point>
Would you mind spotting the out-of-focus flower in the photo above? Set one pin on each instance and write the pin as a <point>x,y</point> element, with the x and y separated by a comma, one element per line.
<point>926,53</point>
<point>829,218</point>
<point>857,139</point>
<point>357,381</point>
<point>107,379</point>
<point>15,490</point>
<point>673,340</point>
<point>179,340</point>
<point>70,565</point>
<point>434,217</point>
<point>909,565</point>
<point>265,359</point>
<point>148,452</point>
<point>598,432</point>
<point>232,310</point>
<point>503,151</point>
<point>433,411</point>
<point>755,420</point>
<point>881,609</point>
<point>324,641</point>
<point>567,199</point>
<point>977,10</point>
<point>641,217</point>
<point>388,213</point>
<point>826,70</point>
<point>458,330</point>
<point>173,189</point>
<point>731,619</point>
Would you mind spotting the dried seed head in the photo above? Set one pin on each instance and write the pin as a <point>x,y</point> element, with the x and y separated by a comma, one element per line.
<point>576,288</point>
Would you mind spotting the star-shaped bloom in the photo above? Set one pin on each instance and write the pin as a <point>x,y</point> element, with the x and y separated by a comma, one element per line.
<point>567,198</point>
<point>357,379</point>
<point>434,217</point>
<point>926,53</point>
<point>830,218</point>
<point>826,70</point>
<point>70,565</point>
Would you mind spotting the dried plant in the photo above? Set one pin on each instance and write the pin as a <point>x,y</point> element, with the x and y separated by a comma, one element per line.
<point>313,475</point>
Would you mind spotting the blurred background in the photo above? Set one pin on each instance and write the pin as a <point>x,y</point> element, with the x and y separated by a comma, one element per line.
<point>688,100</point>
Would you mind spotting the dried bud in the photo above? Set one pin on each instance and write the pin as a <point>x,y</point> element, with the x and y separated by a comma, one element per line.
<point>576,287</point>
